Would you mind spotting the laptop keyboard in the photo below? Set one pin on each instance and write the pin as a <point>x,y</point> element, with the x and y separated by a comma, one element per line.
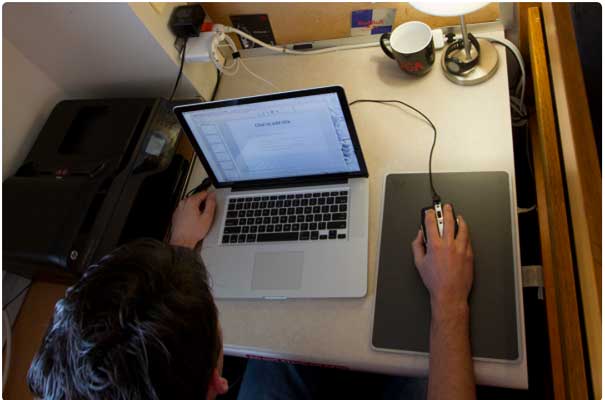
<point>305,216</point>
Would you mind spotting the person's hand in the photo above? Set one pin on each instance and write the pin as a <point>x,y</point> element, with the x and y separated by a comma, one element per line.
<point>446,267</point>
<point>189,225</point>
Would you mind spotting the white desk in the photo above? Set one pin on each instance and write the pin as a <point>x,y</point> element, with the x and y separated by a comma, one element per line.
<point>474,135</point>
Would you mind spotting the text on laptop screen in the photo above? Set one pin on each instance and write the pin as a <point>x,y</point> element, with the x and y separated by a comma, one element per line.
<point>299,136</point>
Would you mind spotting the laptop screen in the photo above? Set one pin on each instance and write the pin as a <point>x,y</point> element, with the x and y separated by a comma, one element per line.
<point>275,138</point>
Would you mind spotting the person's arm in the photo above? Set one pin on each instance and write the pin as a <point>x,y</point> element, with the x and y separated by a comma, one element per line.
<point>189,224</point>
<point>446,268</point>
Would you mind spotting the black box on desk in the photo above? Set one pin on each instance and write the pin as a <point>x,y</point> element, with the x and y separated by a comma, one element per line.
<point>101,173</point>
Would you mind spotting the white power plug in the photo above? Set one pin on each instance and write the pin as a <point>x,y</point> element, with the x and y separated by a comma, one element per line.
<point>200,49</point>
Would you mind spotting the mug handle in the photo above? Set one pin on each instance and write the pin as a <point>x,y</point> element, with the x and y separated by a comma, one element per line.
<point>386,48</point>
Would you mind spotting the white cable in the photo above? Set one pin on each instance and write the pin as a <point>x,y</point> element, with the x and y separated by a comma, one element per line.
<point>518,112</point>
<point>233,67</point>
<point>9,344</point>
<point>228,29</point>
<point>241,61</point>
<point>520,90</point>
<point>517,102</point>
<point>521,210</point>
<point>230,69</point>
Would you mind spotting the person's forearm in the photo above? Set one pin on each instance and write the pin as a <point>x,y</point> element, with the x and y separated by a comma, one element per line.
<point>451,373</point>
<point>183,242</point>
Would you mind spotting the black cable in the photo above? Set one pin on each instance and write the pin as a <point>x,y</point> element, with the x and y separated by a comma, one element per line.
<point>235,383</point>
<point>213,96</point>
<point>8,303</point>
<point>206,183</point>
<point>178,77</point>
<point>218,81</point>
<point>434,194</point>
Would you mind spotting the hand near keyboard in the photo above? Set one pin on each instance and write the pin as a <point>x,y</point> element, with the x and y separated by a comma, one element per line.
<point>189,224</point>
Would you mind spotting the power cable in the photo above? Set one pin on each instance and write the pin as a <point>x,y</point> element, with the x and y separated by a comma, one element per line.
<point>178,77</point>
<point>434,194</point>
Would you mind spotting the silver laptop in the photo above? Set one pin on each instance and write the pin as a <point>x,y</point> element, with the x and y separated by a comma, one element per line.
<point>292,194</point>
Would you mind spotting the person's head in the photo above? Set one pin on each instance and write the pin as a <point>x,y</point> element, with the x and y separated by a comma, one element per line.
<point>140,324</point>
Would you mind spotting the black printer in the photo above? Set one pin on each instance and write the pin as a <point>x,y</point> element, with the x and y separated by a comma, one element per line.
<point>101,173</point>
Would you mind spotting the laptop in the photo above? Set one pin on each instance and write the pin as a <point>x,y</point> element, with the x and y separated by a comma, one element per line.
<point>292,194</point>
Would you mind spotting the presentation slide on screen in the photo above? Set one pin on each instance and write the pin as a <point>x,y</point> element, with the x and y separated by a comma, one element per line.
<point>283,138</point>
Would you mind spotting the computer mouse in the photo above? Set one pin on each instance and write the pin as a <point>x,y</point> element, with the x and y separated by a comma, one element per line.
<point>437,207</point>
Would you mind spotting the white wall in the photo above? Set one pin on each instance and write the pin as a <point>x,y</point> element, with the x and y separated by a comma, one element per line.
<point>28,96</point>
<point>93,49</point>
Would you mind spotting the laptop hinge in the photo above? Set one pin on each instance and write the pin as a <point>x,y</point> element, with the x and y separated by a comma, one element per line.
<point>280,185</point>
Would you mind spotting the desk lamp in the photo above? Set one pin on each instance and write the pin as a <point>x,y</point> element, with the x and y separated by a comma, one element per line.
<point>469,60</point>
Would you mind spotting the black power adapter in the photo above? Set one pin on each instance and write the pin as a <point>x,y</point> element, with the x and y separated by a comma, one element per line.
<point>186,21</point>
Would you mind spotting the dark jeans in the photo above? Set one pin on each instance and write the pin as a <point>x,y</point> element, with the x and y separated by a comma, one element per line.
<point>265,380</point>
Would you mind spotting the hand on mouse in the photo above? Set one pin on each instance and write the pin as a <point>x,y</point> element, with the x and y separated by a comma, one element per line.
<point>446,266</point>
<point>189,225</point>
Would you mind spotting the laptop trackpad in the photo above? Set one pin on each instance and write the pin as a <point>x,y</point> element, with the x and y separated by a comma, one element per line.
<point>277,271</point>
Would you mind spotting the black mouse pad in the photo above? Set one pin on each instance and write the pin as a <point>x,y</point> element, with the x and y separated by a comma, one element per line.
<point>402,310</point>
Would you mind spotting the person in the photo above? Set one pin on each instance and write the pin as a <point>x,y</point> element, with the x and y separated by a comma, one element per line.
<point>446,268</point>
<point>142,323</point>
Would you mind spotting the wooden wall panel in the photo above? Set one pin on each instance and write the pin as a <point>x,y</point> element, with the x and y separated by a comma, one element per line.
<point>562,311</point>
<point>300,22</point>
<point>524,41</point>
<point>523,27</point>
<point>582,171</point>
<point>554,334</point>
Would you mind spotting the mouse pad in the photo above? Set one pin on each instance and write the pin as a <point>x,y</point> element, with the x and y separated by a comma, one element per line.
<point>402,310</point>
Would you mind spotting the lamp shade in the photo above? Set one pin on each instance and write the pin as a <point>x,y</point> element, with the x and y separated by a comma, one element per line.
<point>447,9</point>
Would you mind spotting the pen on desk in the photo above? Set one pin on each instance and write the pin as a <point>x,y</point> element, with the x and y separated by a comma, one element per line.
<point>206,183</point>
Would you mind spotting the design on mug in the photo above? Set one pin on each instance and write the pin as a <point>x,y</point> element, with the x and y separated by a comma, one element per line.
<point>411,66</point>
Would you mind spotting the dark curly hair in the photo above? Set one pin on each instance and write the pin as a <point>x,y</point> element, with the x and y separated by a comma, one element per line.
<point>140,324</point>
